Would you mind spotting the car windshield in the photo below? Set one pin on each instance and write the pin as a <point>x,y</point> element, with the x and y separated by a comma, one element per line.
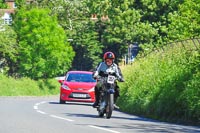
<point>79,77</point>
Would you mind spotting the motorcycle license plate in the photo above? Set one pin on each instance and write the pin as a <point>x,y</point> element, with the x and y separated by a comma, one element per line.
<point>111,79</point>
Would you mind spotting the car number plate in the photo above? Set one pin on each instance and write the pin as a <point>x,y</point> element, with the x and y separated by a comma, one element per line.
<point>79,95</point>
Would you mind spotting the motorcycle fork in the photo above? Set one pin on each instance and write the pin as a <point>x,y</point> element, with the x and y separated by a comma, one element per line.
<point>102,101</point>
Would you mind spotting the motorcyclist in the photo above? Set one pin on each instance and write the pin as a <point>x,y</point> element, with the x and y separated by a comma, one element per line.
<point>98,73</point>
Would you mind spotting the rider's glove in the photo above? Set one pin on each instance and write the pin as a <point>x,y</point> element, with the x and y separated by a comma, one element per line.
<point>95,75</point>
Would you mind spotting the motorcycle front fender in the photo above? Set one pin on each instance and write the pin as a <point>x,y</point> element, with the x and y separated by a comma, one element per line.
<point>110,91</point>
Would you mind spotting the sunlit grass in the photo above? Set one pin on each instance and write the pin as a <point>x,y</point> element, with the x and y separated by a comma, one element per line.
<point>27,87</point>
<point>164,85</point>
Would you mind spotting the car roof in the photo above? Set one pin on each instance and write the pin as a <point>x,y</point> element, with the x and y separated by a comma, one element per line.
<point>86,72</point>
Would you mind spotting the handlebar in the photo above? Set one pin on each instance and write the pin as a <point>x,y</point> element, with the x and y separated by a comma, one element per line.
<point>103,74</point>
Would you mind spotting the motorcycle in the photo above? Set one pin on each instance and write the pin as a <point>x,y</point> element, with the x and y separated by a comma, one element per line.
<point>106,100</point>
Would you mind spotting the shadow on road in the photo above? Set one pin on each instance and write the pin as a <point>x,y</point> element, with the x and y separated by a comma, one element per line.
<point>140,124</point>
<point>73,103</point>
<point>82,115</point>
<point>129,122</point>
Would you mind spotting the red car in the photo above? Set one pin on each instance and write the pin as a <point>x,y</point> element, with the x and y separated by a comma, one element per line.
<point>77,86</point>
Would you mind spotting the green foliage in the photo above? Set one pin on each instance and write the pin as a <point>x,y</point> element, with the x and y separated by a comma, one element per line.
<point>73,16</point>
<point>127,25</point>
<point>20,4</point>
<point>184,23</point>
<point>3,5</point>
<point>44,50</point>
<point>27,87</point>
<point>151,23</point>
<point>124,25</point>
<point>155,12</point>
<point>164,85</point>
<point>8,48</point>
<point>87,49</point>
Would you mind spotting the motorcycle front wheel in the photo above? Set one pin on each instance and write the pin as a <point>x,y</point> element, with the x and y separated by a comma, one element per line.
<point>110,106</point>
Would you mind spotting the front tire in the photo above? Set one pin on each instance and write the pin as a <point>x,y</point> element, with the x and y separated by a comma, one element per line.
<point>110,106</point>
<point>61,101</point>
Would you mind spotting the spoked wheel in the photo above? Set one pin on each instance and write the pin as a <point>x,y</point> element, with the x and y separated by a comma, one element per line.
<point>110,106</point>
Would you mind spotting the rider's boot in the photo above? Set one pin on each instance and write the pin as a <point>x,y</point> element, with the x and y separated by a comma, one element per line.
<point>96,103</point>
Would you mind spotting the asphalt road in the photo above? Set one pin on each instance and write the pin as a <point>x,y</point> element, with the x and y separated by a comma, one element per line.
<point>46,115</point>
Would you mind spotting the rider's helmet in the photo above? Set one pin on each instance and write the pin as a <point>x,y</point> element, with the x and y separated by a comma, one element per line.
<point>109,55</point>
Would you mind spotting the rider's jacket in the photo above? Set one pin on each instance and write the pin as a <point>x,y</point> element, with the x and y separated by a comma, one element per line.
<point>102,67</point>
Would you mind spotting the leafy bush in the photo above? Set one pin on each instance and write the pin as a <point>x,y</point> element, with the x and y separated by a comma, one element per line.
<point>164,85</point>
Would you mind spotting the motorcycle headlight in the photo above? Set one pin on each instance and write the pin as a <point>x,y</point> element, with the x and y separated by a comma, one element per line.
<point>65,87</point>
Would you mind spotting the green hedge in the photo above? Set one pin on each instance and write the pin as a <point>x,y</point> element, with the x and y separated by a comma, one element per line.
<point>164,85</point>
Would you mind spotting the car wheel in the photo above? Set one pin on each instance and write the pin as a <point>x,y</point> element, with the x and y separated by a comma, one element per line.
<point>62,101</point>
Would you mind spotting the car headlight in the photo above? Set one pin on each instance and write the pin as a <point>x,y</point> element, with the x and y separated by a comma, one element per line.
<point>65,87</point>
<point>92,89</point>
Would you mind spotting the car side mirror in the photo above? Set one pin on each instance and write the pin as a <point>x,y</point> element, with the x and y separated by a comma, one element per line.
<point>60,81</point>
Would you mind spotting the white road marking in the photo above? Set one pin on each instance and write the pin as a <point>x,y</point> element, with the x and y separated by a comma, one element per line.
<point>105,129</point>
<point>35,107</point>
<point>41,112</point>
<point>37,104</point>
<point>60,118</point>
<point>54,116</point>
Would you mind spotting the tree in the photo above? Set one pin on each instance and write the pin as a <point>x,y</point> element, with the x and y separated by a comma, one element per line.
<point>8,49</point>
<point>87,47</point>
<point>44,50</point>
<point>123,27</point>
<point>74,18</point>
<point>184,23</point>
<point>3,5</point>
